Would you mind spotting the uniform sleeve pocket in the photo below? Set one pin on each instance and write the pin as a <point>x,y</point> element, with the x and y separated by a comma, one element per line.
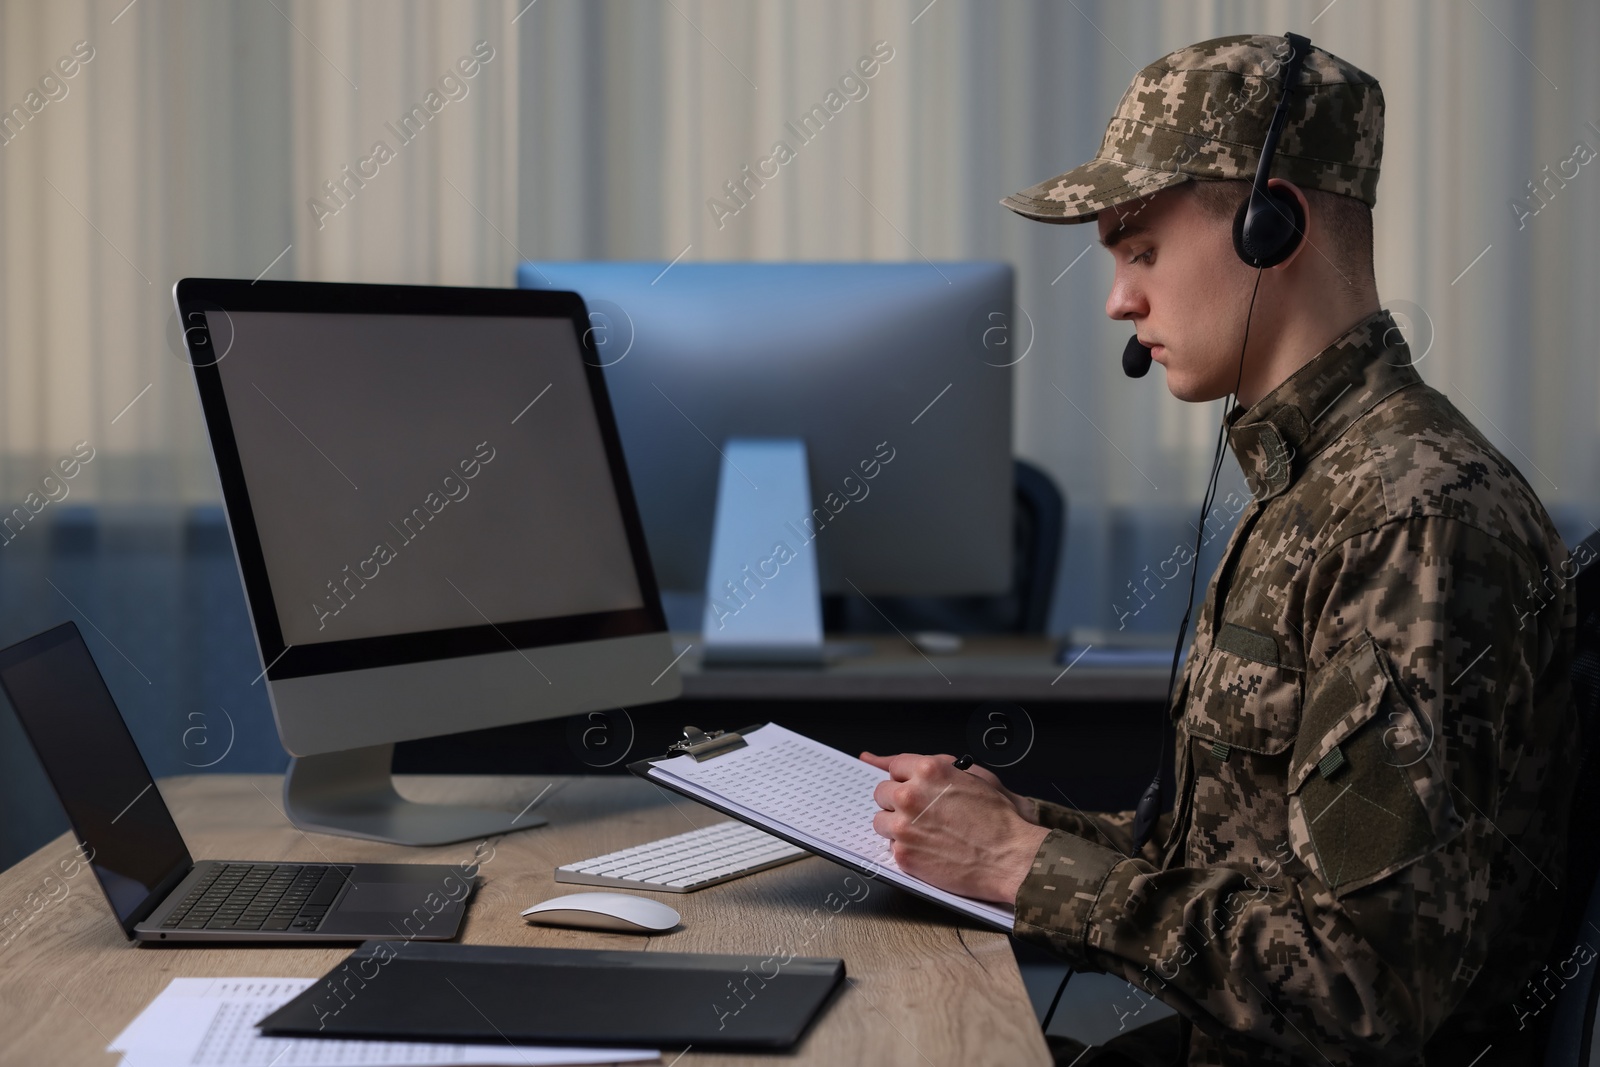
<point>1369,791</point>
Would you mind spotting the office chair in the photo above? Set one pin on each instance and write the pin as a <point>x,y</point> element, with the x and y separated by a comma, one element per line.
<point>1570,1035</point>
<point>1039,519</point>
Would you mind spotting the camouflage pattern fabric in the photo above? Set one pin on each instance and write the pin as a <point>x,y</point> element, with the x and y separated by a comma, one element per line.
<point>1203,111</point>
<point>1376,747</point>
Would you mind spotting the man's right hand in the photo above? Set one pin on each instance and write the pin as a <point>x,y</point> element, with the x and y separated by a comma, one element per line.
<point>1025,806</point>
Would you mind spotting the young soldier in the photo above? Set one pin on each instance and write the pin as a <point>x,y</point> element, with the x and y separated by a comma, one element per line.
<point>1375,735</point>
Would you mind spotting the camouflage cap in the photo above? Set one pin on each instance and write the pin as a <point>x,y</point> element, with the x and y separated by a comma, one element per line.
<point>1202,112</point>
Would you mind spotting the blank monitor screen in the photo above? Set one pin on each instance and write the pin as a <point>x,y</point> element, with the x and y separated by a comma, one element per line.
<point>412,473</point>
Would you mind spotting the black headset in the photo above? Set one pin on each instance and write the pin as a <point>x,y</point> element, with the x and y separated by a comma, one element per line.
<point>1267,229</point>
<point>1269,226</point>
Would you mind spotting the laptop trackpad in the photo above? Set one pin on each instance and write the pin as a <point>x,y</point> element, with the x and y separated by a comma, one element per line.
<point>412,910</point>
<point>384,896</point>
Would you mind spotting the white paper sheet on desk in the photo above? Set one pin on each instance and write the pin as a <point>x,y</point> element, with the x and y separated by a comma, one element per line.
<point>819,796</point>
<point>210,1022</point>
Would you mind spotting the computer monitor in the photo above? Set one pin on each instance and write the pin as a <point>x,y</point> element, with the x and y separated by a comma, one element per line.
<point>433,522</point>
<point>858,361</point>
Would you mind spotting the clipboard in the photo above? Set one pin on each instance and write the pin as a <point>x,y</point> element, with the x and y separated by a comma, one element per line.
<point>701,746</point>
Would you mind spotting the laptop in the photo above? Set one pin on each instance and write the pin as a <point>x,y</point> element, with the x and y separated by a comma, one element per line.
<point>125,831</point>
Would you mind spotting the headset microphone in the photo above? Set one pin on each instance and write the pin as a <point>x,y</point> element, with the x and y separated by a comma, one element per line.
<point>1135,359</point>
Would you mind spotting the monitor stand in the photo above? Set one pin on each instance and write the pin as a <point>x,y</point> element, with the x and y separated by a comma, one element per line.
<point>763,598</point>
<point>351,793</point>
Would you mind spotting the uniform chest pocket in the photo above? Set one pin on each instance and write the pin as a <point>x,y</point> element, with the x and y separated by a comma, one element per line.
<point>1242,697</point>
<point>1240,722</point>
<point>1369,790</point>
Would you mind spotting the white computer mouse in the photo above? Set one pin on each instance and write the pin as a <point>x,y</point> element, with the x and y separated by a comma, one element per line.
<point>605,911</point>
<point>937,643</point>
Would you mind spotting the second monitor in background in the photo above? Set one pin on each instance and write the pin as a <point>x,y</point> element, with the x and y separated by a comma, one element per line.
<point>895,377</point>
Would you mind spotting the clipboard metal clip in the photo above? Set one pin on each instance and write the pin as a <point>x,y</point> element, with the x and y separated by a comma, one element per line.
<point>703,746</point>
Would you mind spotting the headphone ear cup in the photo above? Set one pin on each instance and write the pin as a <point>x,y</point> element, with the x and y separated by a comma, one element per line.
<point>1238,230</point>
<point>1272,235</point>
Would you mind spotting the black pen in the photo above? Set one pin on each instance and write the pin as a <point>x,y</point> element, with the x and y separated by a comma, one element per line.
<point>963,763</point>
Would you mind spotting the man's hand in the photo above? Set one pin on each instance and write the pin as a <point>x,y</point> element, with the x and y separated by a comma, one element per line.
<point>959,830</point>
<point>1026,807</point>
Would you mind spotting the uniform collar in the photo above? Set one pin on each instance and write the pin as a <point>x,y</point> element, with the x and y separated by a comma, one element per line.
<point>1274,437</point>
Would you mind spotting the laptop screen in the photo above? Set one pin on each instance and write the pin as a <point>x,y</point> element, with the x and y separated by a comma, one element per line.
<point>116,811</point>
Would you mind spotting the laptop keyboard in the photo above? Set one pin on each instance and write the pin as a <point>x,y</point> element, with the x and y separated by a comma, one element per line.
<point>260,896</point>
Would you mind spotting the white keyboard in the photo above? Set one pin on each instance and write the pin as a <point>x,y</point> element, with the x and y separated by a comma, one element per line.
<point>682,864</point>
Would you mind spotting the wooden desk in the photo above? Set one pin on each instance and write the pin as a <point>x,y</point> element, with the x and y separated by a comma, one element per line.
<point>922,987</point>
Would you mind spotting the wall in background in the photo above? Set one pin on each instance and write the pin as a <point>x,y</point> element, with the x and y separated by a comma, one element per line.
<point>200,138</point>
<point>224,140</point>
<point>196,138</point>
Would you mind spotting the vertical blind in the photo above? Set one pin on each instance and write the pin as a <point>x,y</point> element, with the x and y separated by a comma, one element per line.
<point>347,141</point>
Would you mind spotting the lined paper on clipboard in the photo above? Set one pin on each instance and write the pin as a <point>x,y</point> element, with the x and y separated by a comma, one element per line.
<point>816,796</point>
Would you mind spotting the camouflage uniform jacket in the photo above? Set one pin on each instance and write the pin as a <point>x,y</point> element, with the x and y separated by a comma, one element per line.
<point>1375,746</point>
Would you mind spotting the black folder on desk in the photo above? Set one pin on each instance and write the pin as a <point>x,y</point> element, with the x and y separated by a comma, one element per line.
<point>420,991</point>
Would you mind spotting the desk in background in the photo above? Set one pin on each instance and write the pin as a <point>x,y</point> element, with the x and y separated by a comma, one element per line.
<point>1096,729</point>
<point>921,988</point>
